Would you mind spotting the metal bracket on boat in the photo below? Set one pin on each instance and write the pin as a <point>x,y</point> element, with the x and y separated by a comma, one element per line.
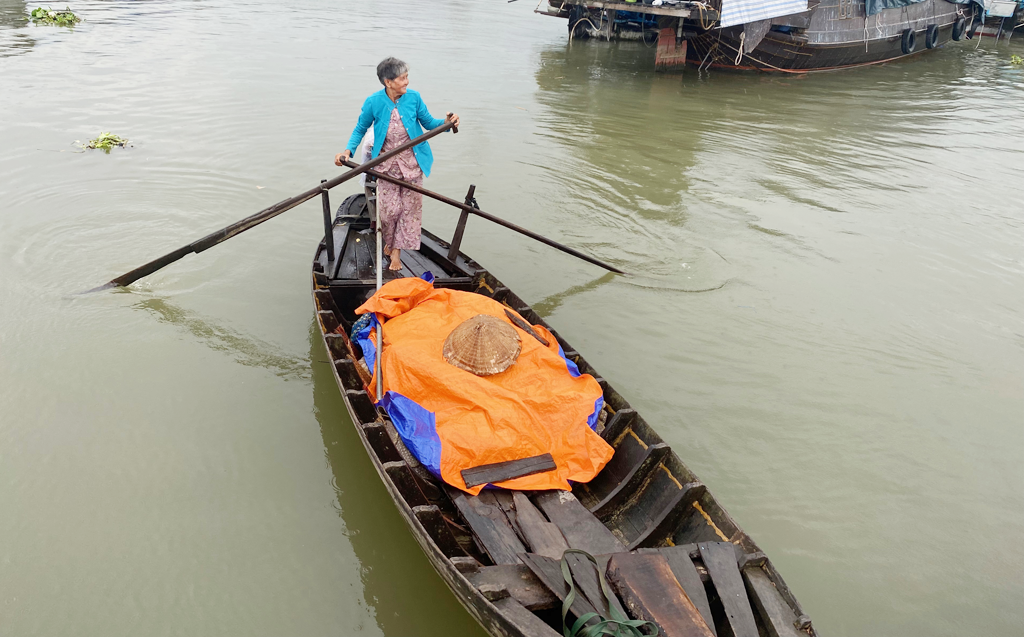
<point>328,222</point>
<point>460,229</point>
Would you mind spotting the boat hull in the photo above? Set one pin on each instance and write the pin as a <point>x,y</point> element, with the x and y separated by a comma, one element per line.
<point>432,510</point>
<point>831,35</point>
<point>778,52</point>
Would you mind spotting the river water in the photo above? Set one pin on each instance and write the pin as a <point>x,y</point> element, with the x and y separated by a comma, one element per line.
<point>825,317</point>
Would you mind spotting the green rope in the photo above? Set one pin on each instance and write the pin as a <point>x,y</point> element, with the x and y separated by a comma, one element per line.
<point>617,626</point>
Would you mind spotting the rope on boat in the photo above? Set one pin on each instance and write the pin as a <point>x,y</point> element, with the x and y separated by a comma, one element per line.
<point>618,625</point>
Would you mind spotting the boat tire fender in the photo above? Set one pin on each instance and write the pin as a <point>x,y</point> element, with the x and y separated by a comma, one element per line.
<point>353,206</point>
<point>908,41</point>
<point>931,37</point>
<point>958,29</point>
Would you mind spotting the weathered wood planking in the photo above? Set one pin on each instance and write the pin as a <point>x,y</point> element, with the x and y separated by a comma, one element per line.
<point>529,623</point>
<point>585,574</point>
<point>720,559</point>
<point>519,581</point>
<point>543,537</point>
<point>491,528</point>
<point>776,614</point>
<point>651,592</point>
<point>549,572</point>
<point>579,526</point>
<point>507,470</point>
<point>686,574</point>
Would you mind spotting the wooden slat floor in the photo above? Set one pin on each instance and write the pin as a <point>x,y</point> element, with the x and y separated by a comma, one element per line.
<point>358,251</point>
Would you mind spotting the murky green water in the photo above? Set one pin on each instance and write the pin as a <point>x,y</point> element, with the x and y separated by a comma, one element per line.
<point>825,322</point>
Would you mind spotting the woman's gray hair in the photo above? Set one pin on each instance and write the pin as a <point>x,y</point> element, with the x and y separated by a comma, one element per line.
<point>390,68</point>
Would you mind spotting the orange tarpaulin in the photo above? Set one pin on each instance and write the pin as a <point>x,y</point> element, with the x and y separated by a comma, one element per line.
<point>534,407</point>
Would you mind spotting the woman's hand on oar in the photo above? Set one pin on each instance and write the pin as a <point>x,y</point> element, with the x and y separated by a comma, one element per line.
<point>341,158</point>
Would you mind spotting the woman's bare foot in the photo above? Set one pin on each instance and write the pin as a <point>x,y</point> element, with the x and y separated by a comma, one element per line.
<point>396,260</point>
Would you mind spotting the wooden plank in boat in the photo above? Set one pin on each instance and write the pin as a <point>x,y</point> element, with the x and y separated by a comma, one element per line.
<point>404,480</point>
<point>418,264</point>
<point>720,558</point>
<point>336,345</point>
<point>668,505</point>
<point>341,234</point>
<point>519,581</point>
<point>526,622</point>
<point>630,453</point>
<point>466,565</point>
<point>502,498</point>
<point>491,528</point>
<point>381,443</point>
<point>437,528</point>
<point>585,574</point>
<point>362,404</point>
<point>543,537</point>
<point>778,616</point>
<point>579,526</point>
<point>324,300</point>
<point>501,471</point>
<point>347,266</point>
<point>617,424</point>
<point>686,574</point>
<point>439,254</point>
<point>651,592</point>
<point>549,572</point>
<point>349,373</point>
<point>329,321</point>
<point>452,282</point>
<point>364,247</point>
<point>629,479</point>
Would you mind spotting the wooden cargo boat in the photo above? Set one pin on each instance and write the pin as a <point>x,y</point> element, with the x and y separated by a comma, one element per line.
<point>670,550</point>
<point>829,35</point>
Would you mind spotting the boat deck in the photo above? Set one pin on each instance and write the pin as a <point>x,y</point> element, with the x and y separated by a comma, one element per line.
<point>355,248</point>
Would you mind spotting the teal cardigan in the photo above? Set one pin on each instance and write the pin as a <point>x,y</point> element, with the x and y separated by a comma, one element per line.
<point>377,112</point>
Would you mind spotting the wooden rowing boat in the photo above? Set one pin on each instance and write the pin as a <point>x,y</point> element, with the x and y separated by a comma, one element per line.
<point>672,554</point>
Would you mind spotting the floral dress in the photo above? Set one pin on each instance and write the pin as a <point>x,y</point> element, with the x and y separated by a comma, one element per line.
<point>401,210</point>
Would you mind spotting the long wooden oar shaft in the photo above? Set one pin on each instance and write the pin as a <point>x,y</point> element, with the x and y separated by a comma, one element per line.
<point>486,215</point>
<point>239,227</point>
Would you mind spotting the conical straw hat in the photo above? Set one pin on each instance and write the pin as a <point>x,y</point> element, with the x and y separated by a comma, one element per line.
<point>482,345</point>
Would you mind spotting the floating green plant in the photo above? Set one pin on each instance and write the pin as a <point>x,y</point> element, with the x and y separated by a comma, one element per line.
<point>63,18</point>
<point>105,142</point>
<point>1016,59</point>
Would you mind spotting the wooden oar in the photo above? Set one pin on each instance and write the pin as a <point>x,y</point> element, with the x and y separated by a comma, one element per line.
<point>486,215</point>
<point>239,227</point>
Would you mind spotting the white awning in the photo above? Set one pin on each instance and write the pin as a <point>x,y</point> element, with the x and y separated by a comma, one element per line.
<point>744,11</point>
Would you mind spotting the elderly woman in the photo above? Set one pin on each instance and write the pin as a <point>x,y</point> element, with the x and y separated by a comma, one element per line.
<point>397,115</point>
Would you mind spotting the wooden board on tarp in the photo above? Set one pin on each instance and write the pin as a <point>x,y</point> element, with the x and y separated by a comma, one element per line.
<point>507,470</point>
